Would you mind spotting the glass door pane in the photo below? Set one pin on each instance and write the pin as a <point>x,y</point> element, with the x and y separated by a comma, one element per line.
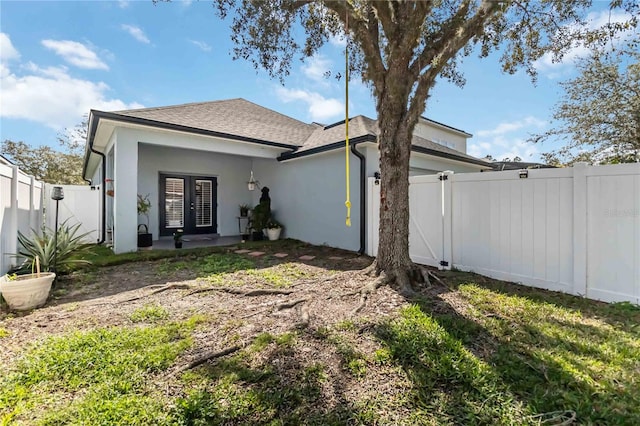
<point>204,202</point>
<point>174,203</point>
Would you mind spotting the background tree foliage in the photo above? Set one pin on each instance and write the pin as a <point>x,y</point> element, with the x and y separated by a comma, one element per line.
<point>598,118</point>
<point>400,48</point>
<point>62,166</point>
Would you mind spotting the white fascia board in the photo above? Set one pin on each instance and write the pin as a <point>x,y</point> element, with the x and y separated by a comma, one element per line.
<point>448,160</point>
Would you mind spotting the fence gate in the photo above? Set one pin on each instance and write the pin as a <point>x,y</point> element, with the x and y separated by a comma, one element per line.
<point>426,219</point>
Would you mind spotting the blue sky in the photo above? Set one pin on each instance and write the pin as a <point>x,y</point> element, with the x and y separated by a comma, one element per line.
<point>61,59</point>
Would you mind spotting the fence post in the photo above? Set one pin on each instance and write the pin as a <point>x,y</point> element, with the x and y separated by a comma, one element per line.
<point>580,229</point>
<point>447,220</point>
<point>12,246</point>
<point>32,203</point>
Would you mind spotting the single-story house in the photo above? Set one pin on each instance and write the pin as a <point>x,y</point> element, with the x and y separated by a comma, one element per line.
<point>194,162</point>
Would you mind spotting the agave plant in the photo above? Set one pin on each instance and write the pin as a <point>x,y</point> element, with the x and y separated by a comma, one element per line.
<point>70,245</point>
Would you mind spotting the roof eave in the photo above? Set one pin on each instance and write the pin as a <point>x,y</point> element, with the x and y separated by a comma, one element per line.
<point>325,148</point>
<point>450,156</point>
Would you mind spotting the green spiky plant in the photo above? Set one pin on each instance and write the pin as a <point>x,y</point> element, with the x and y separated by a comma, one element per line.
<point>70,245</point>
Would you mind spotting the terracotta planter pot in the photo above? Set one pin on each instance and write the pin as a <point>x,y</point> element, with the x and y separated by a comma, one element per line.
<point>26,291</point>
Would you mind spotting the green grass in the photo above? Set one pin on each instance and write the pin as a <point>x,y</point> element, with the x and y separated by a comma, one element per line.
<point>500,354</point>
<point>239,390</point>
<point>149,313</point>
<point>97,377</point>
<point>558,357</point>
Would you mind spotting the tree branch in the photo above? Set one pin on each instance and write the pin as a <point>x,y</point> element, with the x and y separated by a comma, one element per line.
<point>486,11</point>
<point>363,36</point>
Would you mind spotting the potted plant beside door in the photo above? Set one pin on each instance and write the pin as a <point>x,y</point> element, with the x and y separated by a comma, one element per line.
<point>273,229</point>
<point>177,238</point>
<point>145,238</point>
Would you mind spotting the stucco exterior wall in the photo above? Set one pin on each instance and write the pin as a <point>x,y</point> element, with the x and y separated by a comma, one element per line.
<point>308,195</point>
<point>231,171</point>
<point>428,131</point>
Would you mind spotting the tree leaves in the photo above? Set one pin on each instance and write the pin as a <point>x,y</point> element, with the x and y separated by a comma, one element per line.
<point>598,118</point>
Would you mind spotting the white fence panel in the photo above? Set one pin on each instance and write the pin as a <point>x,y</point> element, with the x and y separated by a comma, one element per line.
<point>613,233</point>
<point>515,229</point>
<point>20,210</point>
<point>81,204</point>
<point>575,230</point>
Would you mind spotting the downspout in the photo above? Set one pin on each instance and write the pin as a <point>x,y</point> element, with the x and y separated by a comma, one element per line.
<point>363,197</point>
<point>103,237</point>
<point>90,135</point>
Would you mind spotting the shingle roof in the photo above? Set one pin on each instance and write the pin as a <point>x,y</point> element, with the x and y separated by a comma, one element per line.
<point>322,136</point>
<point>233,116</point>
<point>245,119</point>
<point>360,126</point>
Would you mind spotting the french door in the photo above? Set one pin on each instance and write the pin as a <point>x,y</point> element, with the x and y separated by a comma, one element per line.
<point>188,203</point>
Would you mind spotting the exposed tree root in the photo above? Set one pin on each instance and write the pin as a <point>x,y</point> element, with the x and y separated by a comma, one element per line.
<point>204,358</point>
<point>438,280</point>
<point>289,305</point>
<point>248,293</point>
<point>372,269</point>
<point>365,291</point>
<point>173,286</point>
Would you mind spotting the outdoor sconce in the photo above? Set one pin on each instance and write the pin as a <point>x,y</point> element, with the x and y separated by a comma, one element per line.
<point>376,175</point>
<point>252,184</point>
<point>57,194</point>
<point>524,173</point>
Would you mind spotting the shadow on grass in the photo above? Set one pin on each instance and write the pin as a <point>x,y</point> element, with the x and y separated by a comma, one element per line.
<point>504,353</point>
<point>624,315</point>
<point>279,386</point>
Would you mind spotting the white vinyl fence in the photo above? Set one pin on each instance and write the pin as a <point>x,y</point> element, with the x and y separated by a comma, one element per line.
<point>26,205</point>
<point>575,230</point>
<point>81,204</point>
<point>20,210</point>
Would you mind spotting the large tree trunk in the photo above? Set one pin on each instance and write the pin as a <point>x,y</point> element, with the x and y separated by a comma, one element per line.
<point>395,150</point>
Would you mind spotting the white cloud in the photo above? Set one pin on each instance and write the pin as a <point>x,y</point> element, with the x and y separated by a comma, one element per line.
<point>53,97</point>
<point>75,53</point>
<point>554,69</point>
<point>507,140</point>
<point>320,108</point>
<point>508,127</point>
<point>202,45</point>
<point>316,67</point>
<point>7,51</point>
<point>123,4</point>
<point>136,33</point>
<point>338,40</point>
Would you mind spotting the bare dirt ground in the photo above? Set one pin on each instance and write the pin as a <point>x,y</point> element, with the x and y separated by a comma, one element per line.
<point>322,292</point>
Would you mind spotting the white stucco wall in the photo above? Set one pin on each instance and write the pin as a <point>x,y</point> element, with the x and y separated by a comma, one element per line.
<point>308,195</point>
<point>232,173</point>
<point>434,133</point>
